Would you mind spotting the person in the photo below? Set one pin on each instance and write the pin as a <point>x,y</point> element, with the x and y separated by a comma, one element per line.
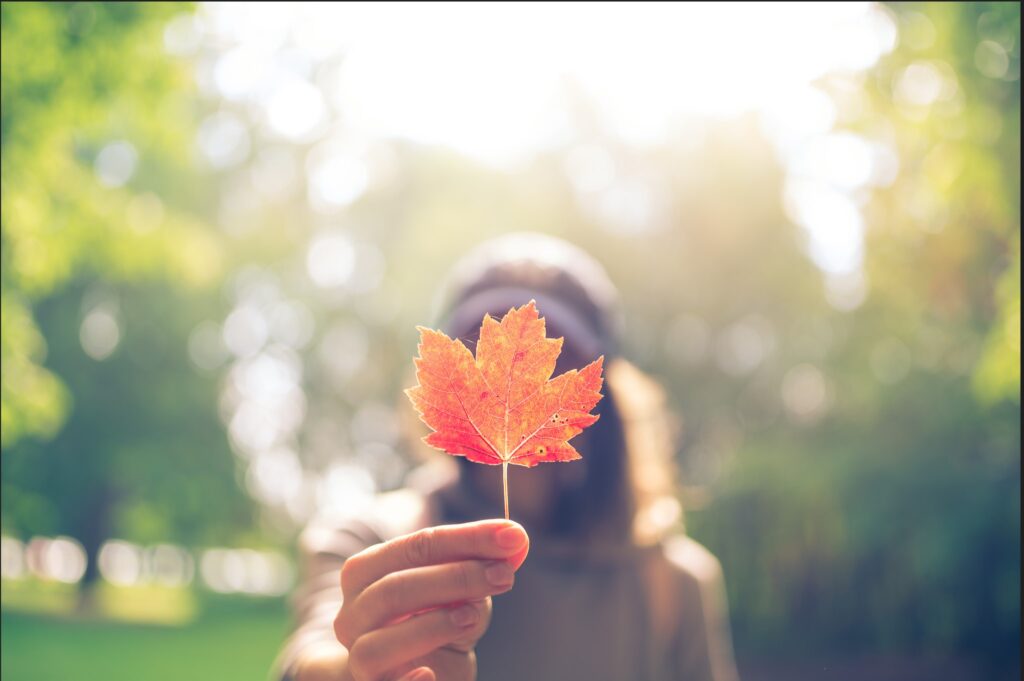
<point>596,580</point>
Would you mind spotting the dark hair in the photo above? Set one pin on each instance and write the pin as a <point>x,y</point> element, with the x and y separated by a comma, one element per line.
<point>602,503</point>
<point>517,267</point>
<point>626,491</point>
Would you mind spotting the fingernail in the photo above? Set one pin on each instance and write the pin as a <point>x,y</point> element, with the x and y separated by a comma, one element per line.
<point>464,616</point>
<point>510,538</point>
<point>499,574</point>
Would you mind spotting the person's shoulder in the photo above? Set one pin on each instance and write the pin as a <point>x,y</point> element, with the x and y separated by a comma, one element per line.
<point>682,584</point>
<point>691,562</point>
<point>703,615</point>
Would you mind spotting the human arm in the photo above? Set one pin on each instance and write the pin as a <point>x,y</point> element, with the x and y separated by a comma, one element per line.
<point>419,600</point>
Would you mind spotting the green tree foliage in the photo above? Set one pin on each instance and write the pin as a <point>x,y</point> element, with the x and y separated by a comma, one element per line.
<point>895,523</point>
<point>120,438</point>
<point>66,92</point>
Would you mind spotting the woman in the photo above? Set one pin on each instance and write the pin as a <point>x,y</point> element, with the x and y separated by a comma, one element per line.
<point>611,588</point>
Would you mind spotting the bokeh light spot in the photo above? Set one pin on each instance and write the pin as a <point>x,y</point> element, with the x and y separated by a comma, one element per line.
<point>100,332</point>
<point>115,163</point>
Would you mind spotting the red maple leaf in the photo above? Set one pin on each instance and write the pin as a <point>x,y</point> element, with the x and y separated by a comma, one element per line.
<point>502,406</point>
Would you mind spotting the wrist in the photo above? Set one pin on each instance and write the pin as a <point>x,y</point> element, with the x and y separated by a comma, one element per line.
<point>322,661</point>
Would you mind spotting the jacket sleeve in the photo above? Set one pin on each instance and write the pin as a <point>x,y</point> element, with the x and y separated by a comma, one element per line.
<point>317,597</point>
<point>702,645</point>
<point>324,546</point>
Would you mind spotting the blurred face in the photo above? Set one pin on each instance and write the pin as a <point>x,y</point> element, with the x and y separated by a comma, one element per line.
<point>533,491</point>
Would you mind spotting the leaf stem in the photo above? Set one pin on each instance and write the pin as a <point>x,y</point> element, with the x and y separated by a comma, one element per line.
<point>504,480</point>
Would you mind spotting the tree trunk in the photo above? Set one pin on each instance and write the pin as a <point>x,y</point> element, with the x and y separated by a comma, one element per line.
<point>93,530</point>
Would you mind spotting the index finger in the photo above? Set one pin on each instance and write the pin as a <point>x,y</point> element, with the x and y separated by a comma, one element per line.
<point>483,539</point>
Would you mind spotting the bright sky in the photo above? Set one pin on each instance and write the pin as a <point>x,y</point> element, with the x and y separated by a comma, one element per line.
<point>490,79</point>
<point>496,83</point>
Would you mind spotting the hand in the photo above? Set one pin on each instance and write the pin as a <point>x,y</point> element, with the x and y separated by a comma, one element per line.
<point>414,607</point>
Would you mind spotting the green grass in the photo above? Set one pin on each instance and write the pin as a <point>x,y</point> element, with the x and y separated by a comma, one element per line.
<point>229,638</point>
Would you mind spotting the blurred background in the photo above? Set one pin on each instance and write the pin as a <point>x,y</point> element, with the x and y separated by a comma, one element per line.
<point>221,223</point>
